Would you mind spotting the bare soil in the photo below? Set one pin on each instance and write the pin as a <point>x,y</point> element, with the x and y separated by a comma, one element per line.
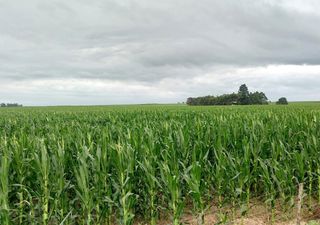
<point>258,214</point>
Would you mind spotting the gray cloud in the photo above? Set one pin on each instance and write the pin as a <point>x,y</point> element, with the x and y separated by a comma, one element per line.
<point>152,42</point>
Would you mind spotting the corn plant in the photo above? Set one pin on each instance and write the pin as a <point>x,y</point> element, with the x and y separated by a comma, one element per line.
<point>171,180</point>
<point>83,187</point>
<point>4,184</point>
<point>124,163</point>
<point>102,185</point>
<point>42,162</point>
<point>61,186</point>
<point>149,168</point>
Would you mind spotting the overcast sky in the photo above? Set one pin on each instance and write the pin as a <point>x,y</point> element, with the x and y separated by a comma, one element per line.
<point>57,52</point>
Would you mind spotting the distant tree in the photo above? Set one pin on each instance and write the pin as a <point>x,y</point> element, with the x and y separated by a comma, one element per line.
<point>227,99</point>
<point>244,95</point>
<point>10,105</point>
<point>282,101</point>
<point>258,98</point>
<point>189,101</point>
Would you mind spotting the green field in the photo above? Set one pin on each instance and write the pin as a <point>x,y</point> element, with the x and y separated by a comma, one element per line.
<point>153,163</point>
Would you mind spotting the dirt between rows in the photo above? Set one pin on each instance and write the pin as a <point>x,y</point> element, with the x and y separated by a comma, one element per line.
<point>258,215</point>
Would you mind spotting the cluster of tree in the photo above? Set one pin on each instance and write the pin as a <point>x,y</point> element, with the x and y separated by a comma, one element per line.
<point>243,97</point>
<point>226,99</point>
<point>10,105</point>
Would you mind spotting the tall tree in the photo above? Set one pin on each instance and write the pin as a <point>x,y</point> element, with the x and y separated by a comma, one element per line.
<point>244,95</point>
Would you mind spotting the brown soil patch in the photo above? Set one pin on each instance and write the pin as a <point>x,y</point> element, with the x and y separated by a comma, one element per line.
<point>258,214</point>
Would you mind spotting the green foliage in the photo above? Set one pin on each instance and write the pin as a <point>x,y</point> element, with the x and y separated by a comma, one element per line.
<point>258,98</point>
<point>127,164</point>
<point>226,99</point>
<point>243,97</point>
<point>4,185</point>
<point>282,101</point>
<point>10,105</point>
<point>313,222</point>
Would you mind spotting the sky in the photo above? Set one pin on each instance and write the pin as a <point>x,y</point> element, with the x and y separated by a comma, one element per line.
<point>85,52</point>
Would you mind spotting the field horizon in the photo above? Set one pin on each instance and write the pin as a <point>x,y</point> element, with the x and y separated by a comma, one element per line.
<point>155,104</point>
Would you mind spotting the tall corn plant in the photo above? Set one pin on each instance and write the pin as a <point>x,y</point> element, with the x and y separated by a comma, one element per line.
<point>149,168</point>
<point>62,185</point>
<point>193,177</point>
<point>124,165</point>
<point>103,198</point>
<point>4,183</point>
<point>270,191</point>
<point>218,171</point>
<point>172,181</point>
<point>42,162</point>
<point>197,180</point>
<point>83,188</point>
<point>19,162</point>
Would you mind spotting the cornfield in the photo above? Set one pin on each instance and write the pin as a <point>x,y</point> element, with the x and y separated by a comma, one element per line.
<point>129,165</point>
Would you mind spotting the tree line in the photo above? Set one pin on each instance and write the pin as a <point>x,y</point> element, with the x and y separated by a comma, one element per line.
<point>243,97</point>
<point>10,105</point>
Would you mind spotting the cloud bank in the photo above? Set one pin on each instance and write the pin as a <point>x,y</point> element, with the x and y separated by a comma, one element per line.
<point>140,51</point>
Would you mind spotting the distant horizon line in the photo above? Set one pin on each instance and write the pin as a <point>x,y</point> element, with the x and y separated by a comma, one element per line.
<point>133,104</point>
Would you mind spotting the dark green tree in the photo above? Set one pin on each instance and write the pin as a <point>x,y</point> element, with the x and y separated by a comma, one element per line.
<point>282,101</point>
<point>258,98</point>
<point>244,95</point>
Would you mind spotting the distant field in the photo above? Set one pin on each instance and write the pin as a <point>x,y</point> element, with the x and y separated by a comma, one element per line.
<point>306,103</point>
<point>158,164</point>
